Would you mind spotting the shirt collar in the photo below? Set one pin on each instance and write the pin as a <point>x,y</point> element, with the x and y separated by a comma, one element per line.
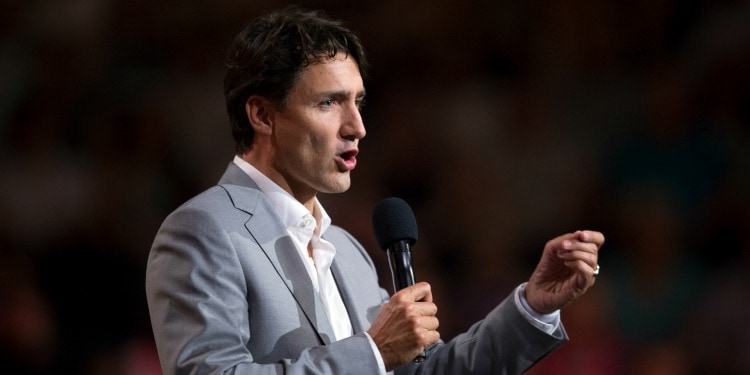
<point>291,211</point>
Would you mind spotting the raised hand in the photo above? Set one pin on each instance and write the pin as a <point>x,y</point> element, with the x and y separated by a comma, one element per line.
<point>568,267</point>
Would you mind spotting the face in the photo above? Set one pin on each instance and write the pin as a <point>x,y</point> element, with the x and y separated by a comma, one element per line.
<point>315,137</point>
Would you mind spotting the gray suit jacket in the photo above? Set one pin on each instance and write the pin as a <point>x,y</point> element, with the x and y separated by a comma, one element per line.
<point>228,294</point>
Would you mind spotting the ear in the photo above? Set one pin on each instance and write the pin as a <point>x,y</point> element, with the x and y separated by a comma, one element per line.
<point>260,113</point>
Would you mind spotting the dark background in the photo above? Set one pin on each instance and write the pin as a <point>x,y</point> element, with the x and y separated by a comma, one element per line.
<point>503,124</point>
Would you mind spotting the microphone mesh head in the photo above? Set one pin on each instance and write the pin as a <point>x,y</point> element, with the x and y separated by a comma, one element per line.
<point>393,220</point>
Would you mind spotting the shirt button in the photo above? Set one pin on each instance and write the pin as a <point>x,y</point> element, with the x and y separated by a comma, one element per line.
<point>307,220</point>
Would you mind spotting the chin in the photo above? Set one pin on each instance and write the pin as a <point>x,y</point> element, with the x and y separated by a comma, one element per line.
<point>337,186</point>
<point>339,189</point>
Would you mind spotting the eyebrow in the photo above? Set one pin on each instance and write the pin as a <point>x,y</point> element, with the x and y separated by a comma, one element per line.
<point>343,94</point>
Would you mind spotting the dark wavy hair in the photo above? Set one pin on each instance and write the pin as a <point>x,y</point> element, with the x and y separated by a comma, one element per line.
<point>268,55</point>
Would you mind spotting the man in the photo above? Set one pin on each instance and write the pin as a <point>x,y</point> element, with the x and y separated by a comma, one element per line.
<point>250,277</point>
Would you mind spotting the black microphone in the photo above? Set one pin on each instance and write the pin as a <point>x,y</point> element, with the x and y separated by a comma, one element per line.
<point>396,231</point>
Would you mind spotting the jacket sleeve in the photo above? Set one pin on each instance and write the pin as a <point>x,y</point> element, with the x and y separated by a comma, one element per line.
<point>505,342</point>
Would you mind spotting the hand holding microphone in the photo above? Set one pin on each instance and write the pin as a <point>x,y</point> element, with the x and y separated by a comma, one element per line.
<point>407,323</point>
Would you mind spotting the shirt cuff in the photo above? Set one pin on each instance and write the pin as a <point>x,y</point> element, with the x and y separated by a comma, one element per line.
<point>376,351</point>
<point>547,323</point>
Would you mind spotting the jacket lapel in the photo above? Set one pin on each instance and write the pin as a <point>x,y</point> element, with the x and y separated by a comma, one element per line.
<point>347,294</point>
<point>266,227</point>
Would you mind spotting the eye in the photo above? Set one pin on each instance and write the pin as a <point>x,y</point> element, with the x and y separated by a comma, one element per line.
<point>327,103</point>
<point>360,103</point>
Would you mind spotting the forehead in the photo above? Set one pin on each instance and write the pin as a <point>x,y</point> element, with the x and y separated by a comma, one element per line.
<point>339,73</point>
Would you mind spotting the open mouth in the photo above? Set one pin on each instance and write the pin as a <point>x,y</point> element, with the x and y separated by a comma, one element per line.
<point>347,160</point>
<point>348,155</point>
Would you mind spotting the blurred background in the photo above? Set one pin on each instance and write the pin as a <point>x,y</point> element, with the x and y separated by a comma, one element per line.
<point>503,124</point>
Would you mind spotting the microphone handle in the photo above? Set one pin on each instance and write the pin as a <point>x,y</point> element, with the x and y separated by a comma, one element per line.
<point>399,259</point>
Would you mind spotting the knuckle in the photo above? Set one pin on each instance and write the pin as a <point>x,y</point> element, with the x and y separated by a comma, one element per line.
<point>425,337</point>
<point>399,298</point>
<point>409,309</point>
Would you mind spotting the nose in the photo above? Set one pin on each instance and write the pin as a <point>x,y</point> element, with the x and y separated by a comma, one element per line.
<point>353,126</point>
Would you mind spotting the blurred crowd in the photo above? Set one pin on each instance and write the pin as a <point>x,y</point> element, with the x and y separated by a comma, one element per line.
<point>503,124</point>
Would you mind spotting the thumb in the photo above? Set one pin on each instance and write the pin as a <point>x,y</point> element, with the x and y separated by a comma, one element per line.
<point>419,292</point>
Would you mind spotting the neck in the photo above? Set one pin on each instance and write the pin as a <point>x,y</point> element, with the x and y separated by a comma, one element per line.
<point>264,165</point>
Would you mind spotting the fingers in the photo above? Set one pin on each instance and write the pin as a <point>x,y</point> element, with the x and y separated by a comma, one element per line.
<point>580,251</point>
<point>419,296</point>
<point>565,271</point>
<point>416,299</point>
<point>418,292</point>
<point>406,325</point>
<point>591,236</point>
<point>581,267</point>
